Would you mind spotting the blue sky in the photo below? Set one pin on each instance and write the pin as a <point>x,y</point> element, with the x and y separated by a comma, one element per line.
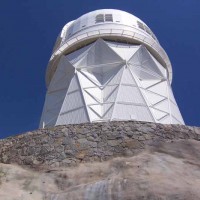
<point>28,31</point>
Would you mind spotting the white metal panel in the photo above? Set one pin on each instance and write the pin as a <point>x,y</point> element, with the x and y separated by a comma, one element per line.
<point>125,112</point>
<point>153,98</point>
<point>108,87</point>
<point>171,95</point>
<point>62,76</point>
<point>127,77</point>
<point>96,93</point>
<point>98,109</point>
<point>78,54</point>
<point>175,121</point>
<point>143,75</point>
<point>160,88</point>
<point>48,120</point>
<point>100,53</point>
<point>90,98</point>
<point>74,85</point>
<point>93,115</point>
<point>74,117</point>
<point>123,50</point>
<point>160,67</point>
<point>148,83</point>
<point>158,114</point>
<point>130,94</point>
<point>143,59</point>
<point>72,105</point>
<point>84,80</point>
<point>175,112</point>
<point>116,76</point>
<point>107,111</point>
<point>55,98</point>
<point>163,106</point>
<point>166,120</point>
<point>72,101</point>
<point>91,77</point>
<point>110,93</point>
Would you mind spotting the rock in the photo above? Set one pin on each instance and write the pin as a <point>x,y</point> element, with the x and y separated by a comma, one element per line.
<point>113,143</point>
<point>97,140</point>
<point>168,171</point>
<point>132,144</point>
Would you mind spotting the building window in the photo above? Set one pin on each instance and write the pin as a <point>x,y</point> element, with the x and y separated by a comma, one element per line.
<point>141,25</point>
<point>99,18</point>
<point>108,18</point>
<point>148,30</point>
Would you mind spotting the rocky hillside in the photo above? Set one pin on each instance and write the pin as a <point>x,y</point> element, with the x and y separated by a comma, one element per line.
<point>103,161</point>
<point>169,171</point>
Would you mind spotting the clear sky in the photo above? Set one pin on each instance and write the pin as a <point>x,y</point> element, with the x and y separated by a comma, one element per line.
<point>28,30</point>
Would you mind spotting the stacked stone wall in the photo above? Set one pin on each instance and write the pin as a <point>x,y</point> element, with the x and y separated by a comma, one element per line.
<point>72,144</point>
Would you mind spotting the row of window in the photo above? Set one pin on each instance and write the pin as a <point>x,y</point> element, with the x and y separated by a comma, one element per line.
<point>104,18</point>
<point>100,18</point>
<point>146,28</point>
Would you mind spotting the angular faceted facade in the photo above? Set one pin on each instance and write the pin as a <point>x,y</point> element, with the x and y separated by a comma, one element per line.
<point>108,80</point>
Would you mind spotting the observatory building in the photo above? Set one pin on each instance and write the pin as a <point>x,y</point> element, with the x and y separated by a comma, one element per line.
<point>107,65</point>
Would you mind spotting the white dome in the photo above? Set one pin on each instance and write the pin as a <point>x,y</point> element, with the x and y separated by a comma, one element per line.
<point>109,24</point>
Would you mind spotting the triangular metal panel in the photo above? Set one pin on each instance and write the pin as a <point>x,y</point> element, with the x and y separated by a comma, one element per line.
<point>125,51</point>
<point>176,112</point>
<point>132,112</point>
<point>78,54</point>
<point>160,67</point>
<point>143,60</point>
<point>74,85</point>
<point>73,100</point>
<point>55,98</point>
<point>99,53</point>
<point>96,93</point>
<point>130,94</point>
<point>88,79</point>
<point>63,75</point>
<point>110,93</point>
<point>175,121</point>
<point>76,116</point>
<point>166,120</point>
<point>90,98</point>
<point>160,88</point>
<point>127,77</point>
<point>49,120</point>
<point>143,75</point>
<point>148,83</point>
<point>163,106</point>
<point>171,95</point>
<point>108,110</point>
<point>93,115</point>
<point>158,114</point>
<point>97,109</point>
<point>103,74</point>
<point>153,98</point>
<point>101,111</point>
<point>116,78</point>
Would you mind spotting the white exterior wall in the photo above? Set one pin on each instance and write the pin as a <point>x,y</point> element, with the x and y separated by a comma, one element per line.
<point>103,82</point>
<point>106,80</point>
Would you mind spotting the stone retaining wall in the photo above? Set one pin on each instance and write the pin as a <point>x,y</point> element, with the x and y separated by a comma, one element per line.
<point>71,144</point>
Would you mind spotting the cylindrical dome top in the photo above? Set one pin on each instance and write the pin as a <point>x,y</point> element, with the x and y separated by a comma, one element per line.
<point>106,16</point>
<point>110,24</point>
